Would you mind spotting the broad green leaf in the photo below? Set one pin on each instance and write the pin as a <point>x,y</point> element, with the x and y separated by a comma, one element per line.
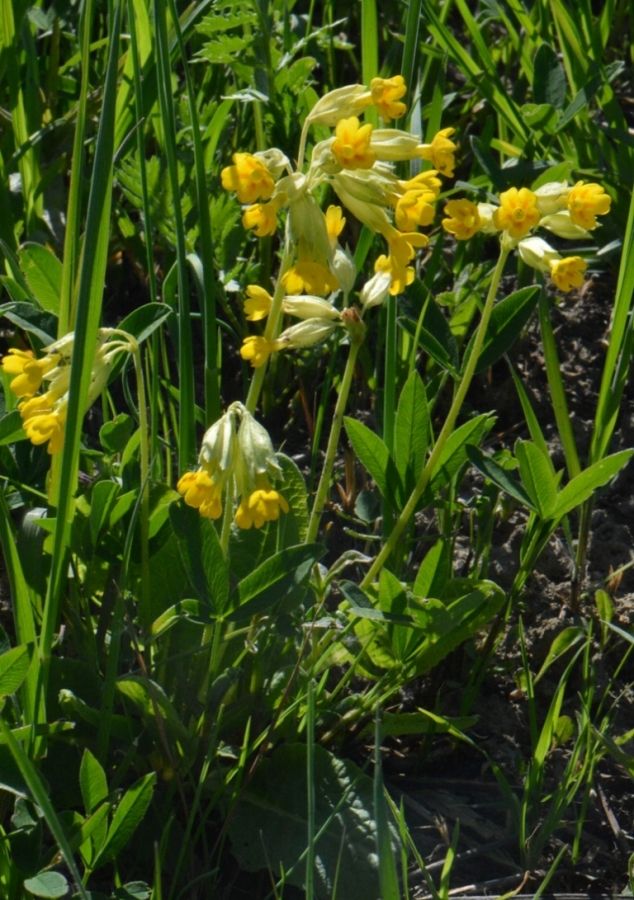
<point>14,666</point>
<point>192,610</point>
<point>276,579</point>
<point>115,434</point>
<point>29,318</point>
<point>454,453</point>
<point>202,556</point>
<point>47,884</point>
<point>491,470</point>
<point>42,271</point>
<point>434,571</point>
<point>362,606</point>
<point>92,782</point>
<point>126,819</point>
<point>371,452</point>
<point>582,486</point>
<point>144,321</point>
<point>560,644</point>
<point>11,428</point>
<point>102,499</point>
<point>153,703</point>
<point>537,477</point>
<point>425,722</point>
<point>411,431</point>
<point>293,488</point>
<point>507,321</point>
<point>549,77</point>
<point>269,824</point>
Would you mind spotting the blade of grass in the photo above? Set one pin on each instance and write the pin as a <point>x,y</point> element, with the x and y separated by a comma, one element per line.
<point>186,423</point>
<point>310,792</point>
<point>388,877</point>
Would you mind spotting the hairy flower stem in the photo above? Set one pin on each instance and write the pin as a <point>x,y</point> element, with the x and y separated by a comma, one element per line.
<point>467,376</point>
<point>272,328</point>
<point>356,339</point>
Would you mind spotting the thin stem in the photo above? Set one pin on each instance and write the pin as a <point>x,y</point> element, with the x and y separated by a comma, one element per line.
<point>410,507</point>
<point>333,440</point>
<point>144,464</point>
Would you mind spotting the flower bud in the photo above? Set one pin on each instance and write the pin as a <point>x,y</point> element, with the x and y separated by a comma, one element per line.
<point>552,197</point>
<point>375,290</point>
<point>562,225</point>
<point>536,253</point>
<point>309,307</point>
<point>339,104</point>
<point>344,268</point>
<point>305,334</point>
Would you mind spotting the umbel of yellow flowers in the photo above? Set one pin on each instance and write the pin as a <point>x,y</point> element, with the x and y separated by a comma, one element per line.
<point>236,453</point>
<point>357,162</point>
<point>568,211</point>
<point>44,413</point>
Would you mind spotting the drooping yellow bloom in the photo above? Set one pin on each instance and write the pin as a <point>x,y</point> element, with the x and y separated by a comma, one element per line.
<point>261,506</point>
<point>351,146</point>
<point>400,275</point>
<point>262,218</point>
<point>43,421</point>
<point>28,370</point>
<point>309,277</point>
<point>586,202</point>
<point>414,208</point>
<point>386,96</point>
<point>402,245</point>
<point>248,177</point>
<point>517,213</point>
<point>463,219</point>
<point>257,349</point>
<point>335,222</point>
<point>568,274</point>
<point>200,491</point>
<point>428,181</point>
<point>259,303</point>
<point>441,152</point>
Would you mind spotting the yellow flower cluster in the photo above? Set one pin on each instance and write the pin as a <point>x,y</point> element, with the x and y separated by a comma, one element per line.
<point>357,162</point>
<point>235,451</point>
<point>44,414</point>
<point>570,212</point>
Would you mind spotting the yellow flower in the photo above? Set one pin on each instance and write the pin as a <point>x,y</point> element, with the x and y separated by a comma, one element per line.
<point>28,370</point>
<point>248,177</point>
<point>262,218</point>
<point>400,275</point>
<point>258,306</point>
<point>386,95</point>
<point>414,208</point>
<point>351,146</point>
<point>568,273</point>
<point>43,424</point>
<point>335,222</point>
<point>256,350</point>
<point>402,245</point>
<point>423,181</point>
<point>517,213</point>
<point>586,202</point>
<point>262,505</point>
<point>201,492</point>
<point>463,219</point>
<point>441,152</point>
<point>309,277</point>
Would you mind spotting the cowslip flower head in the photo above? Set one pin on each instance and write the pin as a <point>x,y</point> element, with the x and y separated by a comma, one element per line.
<point>568,274</point>
<point>261,506</point>
<point>258,303</point>
<point>427,180</point>
<point>414,208</point>
<point>309,277</point>
<point>386,96</point>
<point>352,144</point>
<point>586,202</point>
<point>235,450</point>
<point>261,218</point>
<point>517,213</point>
<point>27,371</point>
<point>248,177</point>
<point>441,152</point>
<point>256,350</point>
<point>462,219</point>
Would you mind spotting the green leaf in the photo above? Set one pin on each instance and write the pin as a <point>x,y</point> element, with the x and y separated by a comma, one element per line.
<point>582,486</point>
<point>537,476</point>
<point>424,722</point>
<point>269,825</point>
<point>29,318</point>
<point>371,452</point>
<point>507,321</point>
<point>153,703</point>
<point>47,884</point>
<point>43,273</point>
<point>362,606</point>
<point>411,431</point>
<point>202,556</point>
<point>434,571</point>
<point>549,77</point>
<point>115,434</point>
<point>14,666</point>
<point>454,453</point>
<point>499,476</point>
<point>11,428</point>
<point>102,499</point>
<point>144,321</point>
<point>126,819</point>
<point>276,579</point>
<point>189,610</point>
<point>92,782</point>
